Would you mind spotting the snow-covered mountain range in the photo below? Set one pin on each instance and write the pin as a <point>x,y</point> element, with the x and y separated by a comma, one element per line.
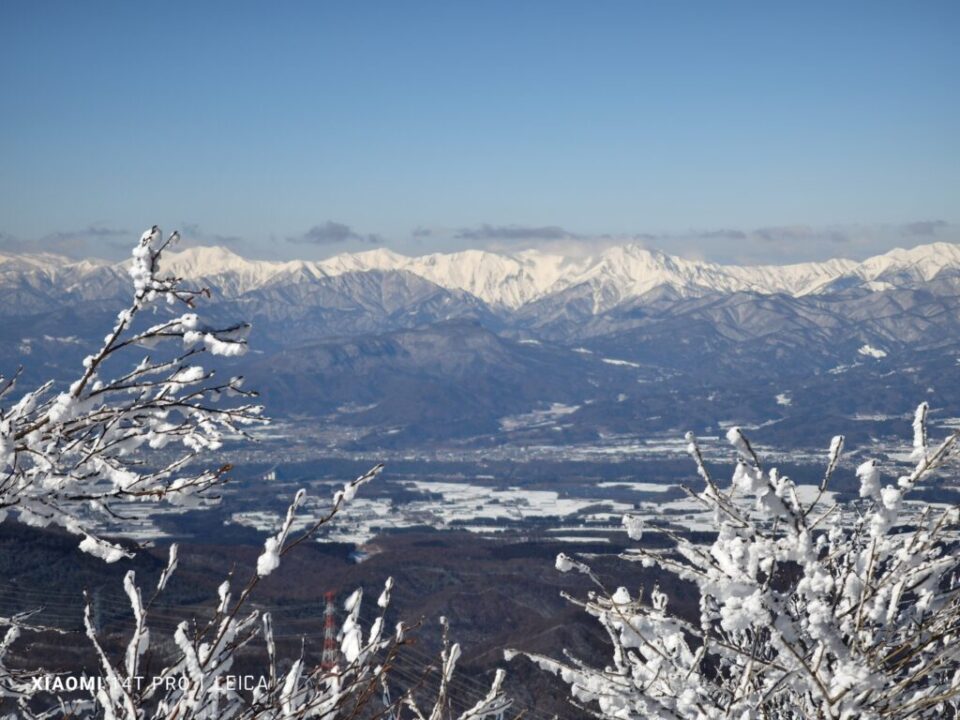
<point>511,281</point>
<point>416,349</point>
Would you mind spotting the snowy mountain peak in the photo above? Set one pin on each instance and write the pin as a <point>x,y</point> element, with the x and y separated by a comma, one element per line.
<point>235,274</point>
<point>203,261</point>
<point>44,262</point>
<point>922,262</point>
<point>378,259</point>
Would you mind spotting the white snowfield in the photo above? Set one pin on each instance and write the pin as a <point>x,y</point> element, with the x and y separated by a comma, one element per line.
<point>479,509</point>
<point>511,281</point>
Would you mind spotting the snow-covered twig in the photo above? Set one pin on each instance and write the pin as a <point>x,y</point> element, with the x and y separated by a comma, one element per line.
<point>71,458</point>
<point>799,618</point>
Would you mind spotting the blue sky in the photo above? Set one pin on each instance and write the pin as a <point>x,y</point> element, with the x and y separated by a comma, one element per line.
<point>748,131</point>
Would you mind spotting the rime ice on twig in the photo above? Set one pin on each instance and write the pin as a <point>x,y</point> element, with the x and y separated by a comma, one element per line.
<point>69,458</point>
<point>835,612</point>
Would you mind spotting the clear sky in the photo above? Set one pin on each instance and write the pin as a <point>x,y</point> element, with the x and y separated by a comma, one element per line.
<point>733,130</point>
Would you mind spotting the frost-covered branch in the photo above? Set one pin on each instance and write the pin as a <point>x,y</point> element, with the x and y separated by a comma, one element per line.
<point>817,611</point>
<point>69,458</point>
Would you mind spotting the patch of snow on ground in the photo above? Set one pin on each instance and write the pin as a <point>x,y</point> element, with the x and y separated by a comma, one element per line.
<point>465,503</point>
<point>868,351</point>
<point>358,523</point>
<point>625,363</point>
<point>581,538</point>
<point>635,486</point>
<point>537,418</point>
<point>876,417</point>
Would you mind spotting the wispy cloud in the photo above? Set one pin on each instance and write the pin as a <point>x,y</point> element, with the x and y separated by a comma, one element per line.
<point>332,233</point>
<point>93,231</point>
<point>923,228</point>
<point>194,234</point>
<point>556,238</point>
<point>485,232</point>
<point>95,240</point>
<point>723,234</point>
<point>800,233</point>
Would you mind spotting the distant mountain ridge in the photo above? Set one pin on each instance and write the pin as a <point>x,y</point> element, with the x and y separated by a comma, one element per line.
<point>478,347</point>
<point>511,281</point>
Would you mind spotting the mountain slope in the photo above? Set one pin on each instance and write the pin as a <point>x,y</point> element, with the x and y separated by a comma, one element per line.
<point>449,379</point>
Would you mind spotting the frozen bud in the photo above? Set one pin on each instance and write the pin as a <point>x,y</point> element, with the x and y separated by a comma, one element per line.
<point>269,560</point>
<point>869,475</point>
<point>634,526</point>
<point>565,563</point>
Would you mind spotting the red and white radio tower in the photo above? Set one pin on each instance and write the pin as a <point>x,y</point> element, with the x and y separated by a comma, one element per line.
<point>329,658</point>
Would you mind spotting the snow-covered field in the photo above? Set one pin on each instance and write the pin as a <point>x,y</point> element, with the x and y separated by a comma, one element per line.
<point>537,418</point>
<point>482,503</point>
<point>479,509</point>
<point>490,511</point>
